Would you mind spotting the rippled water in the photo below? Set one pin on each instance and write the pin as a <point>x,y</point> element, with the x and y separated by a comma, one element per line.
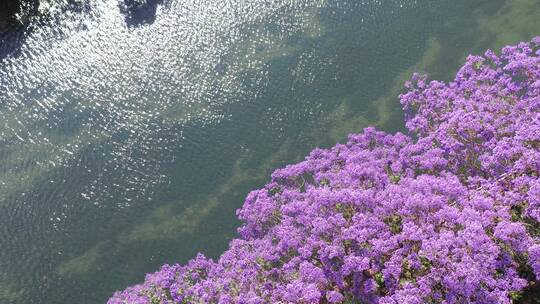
<point>128,138</point>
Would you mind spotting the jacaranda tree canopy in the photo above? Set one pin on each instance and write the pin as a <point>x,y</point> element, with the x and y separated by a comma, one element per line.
<point>447,214</point>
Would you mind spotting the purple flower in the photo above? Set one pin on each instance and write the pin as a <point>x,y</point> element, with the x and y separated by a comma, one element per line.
<point>451,216</point>
<point>334,297</point>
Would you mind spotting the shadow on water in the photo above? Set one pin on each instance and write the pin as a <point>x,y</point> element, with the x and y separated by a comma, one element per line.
<point>139,12</point>
<point>11,40</point>
<point>14,31</point>
<point>8,9</point>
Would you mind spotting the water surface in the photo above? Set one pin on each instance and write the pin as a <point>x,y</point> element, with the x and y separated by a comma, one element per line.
<point>130,134</point>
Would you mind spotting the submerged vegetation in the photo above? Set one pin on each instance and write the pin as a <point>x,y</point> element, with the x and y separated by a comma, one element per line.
<point>447,214</point>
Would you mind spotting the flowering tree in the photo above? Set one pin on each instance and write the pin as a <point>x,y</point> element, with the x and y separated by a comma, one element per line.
<point>450,214</point>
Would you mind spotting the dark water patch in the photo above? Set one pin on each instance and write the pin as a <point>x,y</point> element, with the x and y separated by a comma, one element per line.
<point>15,13</point>
<point>12,38</point>
<point>139,12</point>
<point>19,19</point>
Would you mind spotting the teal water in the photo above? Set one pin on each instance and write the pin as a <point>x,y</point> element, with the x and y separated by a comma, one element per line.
<point>129,142</point>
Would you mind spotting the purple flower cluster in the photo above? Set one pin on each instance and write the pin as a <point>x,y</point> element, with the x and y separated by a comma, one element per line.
<point>449,215</point>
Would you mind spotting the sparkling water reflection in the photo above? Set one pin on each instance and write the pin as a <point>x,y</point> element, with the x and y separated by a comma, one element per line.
<point>130,133</point>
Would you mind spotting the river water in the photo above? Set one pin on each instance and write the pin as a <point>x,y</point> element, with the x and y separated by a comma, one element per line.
<point>130,133</point>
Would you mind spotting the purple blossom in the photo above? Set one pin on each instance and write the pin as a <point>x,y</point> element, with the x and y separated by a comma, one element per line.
<point>451,216</point>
